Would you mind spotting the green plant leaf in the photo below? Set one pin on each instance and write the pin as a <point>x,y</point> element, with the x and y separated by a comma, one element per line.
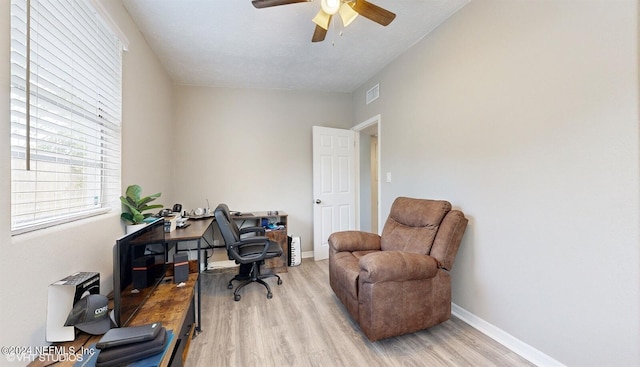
<point>127,217</point>
<point>134,192</point>
<point>134,204</point>
<point>138,218</point>
<point>150,207</point>
<point>148,199</point>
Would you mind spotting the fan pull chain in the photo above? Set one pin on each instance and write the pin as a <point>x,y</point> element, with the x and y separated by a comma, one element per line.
<point>338,30</point>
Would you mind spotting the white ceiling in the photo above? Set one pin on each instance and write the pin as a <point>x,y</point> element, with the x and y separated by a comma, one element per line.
<point>229,43</point>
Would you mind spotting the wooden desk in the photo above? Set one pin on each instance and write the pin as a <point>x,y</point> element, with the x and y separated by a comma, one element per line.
<point>196,231</point>
<point>168,304</point>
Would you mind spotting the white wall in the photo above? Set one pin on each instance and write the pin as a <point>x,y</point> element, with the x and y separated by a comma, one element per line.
<point>251,149</point>
<point>524,114</point>
<point>30,262</point>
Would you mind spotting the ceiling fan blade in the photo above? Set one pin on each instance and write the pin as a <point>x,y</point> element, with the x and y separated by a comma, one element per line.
<point>269,3</point>
<point>373,12</point>
<point>322,19</point>
<point>319,34</point>
<point>347,14</point>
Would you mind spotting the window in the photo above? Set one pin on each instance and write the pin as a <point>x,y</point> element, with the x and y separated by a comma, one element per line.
<point>66,96</point>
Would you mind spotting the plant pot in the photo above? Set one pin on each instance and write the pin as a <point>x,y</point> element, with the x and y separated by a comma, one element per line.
<point>130,228</point>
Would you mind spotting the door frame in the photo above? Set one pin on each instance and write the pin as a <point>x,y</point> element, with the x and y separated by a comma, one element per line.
<point>377,119</point>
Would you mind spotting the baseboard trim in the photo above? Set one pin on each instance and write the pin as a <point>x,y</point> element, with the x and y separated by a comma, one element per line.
<point>514,344</point>
<point>224,264</point>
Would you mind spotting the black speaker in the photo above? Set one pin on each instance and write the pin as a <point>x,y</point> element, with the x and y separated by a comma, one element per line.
<point>143,272</point>
<point>180,267</point>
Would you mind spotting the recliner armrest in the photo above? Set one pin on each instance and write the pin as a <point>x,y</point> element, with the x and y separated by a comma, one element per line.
<point>396,266</point>
<point>354,241</point>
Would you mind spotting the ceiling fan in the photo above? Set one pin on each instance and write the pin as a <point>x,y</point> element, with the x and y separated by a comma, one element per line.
<point>348,10</point>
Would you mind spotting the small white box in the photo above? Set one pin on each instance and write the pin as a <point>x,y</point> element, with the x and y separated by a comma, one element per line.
<point>170,223</point>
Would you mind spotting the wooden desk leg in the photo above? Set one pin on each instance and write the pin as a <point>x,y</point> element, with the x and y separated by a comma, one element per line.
<point>198,328</point>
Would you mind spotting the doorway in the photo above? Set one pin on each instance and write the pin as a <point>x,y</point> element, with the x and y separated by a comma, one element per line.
<point>369,191</point>
<point>334,185</point>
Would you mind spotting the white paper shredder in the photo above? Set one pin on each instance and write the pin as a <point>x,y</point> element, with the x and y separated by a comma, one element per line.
<point>63,294</point>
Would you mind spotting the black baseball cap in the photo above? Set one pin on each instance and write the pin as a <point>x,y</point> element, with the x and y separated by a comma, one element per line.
<point>90,314</point>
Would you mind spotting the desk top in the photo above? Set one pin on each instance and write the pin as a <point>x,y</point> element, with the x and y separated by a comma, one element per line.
<point>196,229</point>
<point>167,304</point>
<point>254,215</point>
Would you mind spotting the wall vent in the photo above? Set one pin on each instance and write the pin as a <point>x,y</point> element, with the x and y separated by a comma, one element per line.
<point>373,93</point>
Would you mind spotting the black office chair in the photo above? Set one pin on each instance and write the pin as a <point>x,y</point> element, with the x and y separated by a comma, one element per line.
<point>245,269</point>
<point>246,250</point>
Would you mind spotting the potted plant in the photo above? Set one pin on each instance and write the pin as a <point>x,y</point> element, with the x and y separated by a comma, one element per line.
<point>134,207</point>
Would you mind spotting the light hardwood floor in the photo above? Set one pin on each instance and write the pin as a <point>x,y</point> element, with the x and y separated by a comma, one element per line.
<point>304,324</point>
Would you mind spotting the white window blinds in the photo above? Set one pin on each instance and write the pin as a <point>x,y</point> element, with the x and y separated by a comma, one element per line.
<point>66,98</point>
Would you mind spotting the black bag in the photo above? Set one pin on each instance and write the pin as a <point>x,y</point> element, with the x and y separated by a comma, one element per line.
<point>128,353</point>
<point>128,335</point>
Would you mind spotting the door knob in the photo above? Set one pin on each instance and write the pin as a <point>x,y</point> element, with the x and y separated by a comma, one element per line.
<point>318,201</point>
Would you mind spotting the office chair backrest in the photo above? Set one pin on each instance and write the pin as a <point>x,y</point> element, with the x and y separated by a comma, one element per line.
<point>232,223</point>
<point>224,224</point>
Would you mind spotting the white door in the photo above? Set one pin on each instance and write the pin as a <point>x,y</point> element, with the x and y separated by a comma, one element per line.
<point>334,190</point>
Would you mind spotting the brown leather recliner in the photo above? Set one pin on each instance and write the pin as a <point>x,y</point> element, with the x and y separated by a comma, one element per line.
<point>398,283</point>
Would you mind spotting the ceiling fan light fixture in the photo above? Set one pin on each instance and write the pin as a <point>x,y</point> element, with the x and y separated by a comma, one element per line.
<point>347,14</point>
<point>322,19</point>
<point>330,6</point>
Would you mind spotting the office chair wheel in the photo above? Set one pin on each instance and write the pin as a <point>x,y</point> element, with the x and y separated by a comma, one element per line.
<point>236,297</point>
<point>279,281</point>
<point>269,295</point>
<point>229,286</point>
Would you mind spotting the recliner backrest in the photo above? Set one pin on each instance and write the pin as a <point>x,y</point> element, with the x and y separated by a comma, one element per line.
<point>412,224</point>
<point>426,227</point>
<point>447,241</point>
